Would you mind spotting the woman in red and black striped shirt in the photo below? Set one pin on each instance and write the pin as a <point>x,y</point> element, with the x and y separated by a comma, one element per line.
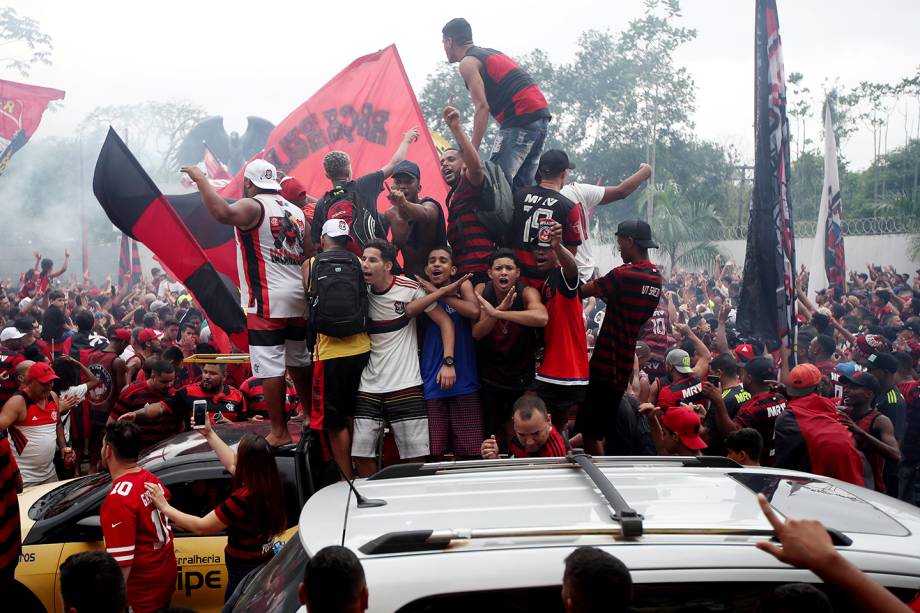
<point>253,514</point>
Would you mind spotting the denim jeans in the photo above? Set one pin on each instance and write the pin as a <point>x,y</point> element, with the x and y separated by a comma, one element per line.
<point>517,151</point>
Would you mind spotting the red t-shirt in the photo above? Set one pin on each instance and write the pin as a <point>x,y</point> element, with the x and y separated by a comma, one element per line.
<point>138,535</point>
<point>553,448</point>
<point>565,359</point>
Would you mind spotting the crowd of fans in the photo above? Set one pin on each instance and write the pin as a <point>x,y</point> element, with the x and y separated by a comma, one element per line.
<point>481,332</point>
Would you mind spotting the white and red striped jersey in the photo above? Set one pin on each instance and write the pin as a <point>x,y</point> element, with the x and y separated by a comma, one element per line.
<point>35,441</point>
<point>269,258</point>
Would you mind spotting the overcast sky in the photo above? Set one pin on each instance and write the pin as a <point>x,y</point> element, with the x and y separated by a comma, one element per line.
<point>249,58</point>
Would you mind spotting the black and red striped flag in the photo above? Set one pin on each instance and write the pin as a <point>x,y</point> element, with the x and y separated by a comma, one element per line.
<point>133,203</point>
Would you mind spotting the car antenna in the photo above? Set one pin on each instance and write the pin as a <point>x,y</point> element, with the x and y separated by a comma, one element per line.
<point>363,503</point>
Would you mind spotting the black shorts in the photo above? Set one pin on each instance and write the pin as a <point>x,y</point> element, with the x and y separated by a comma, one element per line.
<point>559,398</point>
<point>335,387</point>
<point>600,406</point>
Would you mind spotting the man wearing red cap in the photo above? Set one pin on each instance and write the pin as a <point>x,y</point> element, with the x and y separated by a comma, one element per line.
<point>809,435</point>
<point>675,430</point>
<point>32,416</point>
<point>147,349</point>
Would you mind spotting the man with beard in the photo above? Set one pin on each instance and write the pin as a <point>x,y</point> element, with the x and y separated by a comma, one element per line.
<point>147,351</point>
<point>12,343</point>
<point>872,431</point>
<point>269,232</point>
<point>223,402</point>
<point>417,225</point>
<point>139,394</point>
<point>462,171</point>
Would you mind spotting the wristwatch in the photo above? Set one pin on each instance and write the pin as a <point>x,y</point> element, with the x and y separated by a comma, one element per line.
<point>449,360</point>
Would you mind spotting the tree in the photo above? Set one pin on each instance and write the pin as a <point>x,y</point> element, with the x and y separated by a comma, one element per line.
<point>153,130</point>
<point>800,109</point>
<point>684,229</point>
<point>24,42</point>
<point>663,92</point>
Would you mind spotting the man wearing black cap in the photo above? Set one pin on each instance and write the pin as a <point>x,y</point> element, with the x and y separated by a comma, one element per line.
<point>872,431</point>
<point>890,403</point>
<point>534,204</point>
<point>417,225</point>
<point>632,292</point>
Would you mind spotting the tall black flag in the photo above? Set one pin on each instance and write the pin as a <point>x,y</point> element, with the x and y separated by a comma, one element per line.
<point>767,304</point>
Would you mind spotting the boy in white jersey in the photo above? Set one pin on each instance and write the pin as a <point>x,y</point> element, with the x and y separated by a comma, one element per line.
<point>391,384</point>
<point>270,239</point>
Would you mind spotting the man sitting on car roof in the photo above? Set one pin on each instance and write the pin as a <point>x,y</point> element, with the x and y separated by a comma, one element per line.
<point>534,434</point>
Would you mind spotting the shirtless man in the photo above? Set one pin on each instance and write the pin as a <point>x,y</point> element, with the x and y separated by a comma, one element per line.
<point>417,226</point>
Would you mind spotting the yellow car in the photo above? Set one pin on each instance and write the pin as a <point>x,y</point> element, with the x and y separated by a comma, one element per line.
<point>61,519</point>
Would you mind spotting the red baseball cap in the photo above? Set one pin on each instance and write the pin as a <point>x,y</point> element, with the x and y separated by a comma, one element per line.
<point>872,343</point>
<point>803,379</point>
<point>148,334</point>
<point>292,189</point>
<point>123,334</point>
<point>41,372</point>
<point>744,352</point>
<point>686,423</point>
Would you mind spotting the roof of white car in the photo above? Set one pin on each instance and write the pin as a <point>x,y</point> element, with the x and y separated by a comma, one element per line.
<point>678,498</point>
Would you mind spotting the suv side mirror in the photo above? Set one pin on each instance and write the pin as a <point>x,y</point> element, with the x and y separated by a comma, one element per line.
<point>90,528</point>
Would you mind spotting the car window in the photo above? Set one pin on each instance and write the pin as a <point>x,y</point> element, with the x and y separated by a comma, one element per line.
<point>198,497</point>
<point>275,587</point>
<point>805,498</point>
<point>64,497</point>
<point>697,597</point>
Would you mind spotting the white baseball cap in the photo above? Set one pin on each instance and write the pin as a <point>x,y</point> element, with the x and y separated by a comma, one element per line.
<point>10,334</point>
<point>335,227</point>
<point>262,174</point>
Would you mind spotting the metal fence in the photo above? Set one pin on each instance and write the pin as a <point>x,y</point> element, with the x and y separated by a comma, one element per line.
<point>866,226</point>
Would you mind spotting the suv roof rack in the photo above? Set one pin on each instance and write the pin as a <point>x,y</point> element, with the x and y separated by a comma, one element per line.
<point>628,518</point>
<point>400,471</point>
<point>410,541</point>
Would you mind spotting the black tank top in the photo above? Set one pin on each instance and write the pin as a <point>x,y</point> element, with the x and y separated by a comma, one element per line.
<point>506,354</point>
<point>514,99</point>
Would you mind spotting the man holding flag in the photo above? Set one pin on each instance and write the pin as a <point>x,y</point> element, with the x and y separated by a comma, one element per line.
<point>270,239</point>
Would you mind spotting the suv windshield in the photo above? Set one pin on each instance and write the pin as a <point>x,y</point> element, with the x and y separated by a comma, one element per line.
<point>801,497</point>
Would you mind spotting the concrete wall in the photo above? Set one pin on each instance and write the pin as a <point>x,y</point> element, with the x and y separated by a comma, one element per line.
<point>881,249</point>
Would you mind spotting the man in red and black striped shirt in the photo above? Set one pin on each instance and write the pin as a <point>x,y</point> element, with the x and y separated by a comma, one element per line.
<point>534,434</point>
<point>149,391</point>
<point>462,170</point>
<point>632,292</point>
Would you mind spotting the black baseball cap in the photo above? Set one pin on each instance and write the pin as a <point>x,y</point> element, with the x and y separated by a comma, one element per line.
<point>637,230</point>
<point>760,369</point>
<point>864,379</point>
<point>883,361</point>
<point>553,162</point>
<point>407,168</point>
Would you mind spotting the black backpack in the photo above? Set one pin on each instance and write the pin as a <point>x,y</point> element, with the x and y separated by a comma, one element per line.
<point>364,224</point>
<point>338,294</point>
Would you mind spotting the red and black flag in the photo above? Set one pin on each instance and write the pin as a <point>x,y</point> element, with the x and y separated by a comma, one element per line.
<point>21,110</point>
<point>165,225</point>
<point>767,304</point>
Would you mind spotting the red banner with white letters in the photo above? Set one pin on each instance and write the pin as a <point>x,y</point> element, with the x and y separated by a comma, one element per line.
<point>364,111</point>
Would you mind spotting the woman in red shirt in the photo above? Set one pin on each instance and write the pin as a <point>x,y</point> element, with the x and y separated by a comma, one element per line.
<point>253,514</point>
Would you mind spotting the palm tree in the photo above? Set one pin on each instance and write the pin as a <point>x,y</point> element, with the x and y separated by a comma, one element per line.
<point>683,229</point>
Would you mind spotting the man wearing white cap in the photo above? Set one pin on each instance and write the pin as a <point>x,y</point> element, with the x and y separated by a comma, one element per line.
<point>270,239</point>
<point>338,360</point>
<point>12,342</point>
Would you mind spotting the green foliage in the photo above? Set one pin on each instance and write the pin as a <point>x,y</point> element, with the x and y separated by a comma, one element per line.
<point>680,223</point>
<point>24,42</point>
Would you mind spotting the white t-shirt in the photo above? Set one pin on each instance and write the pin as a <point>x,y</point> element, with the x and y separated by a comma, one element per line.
<point>393,363</point>
<point>39,434</point>
<point>587,197</point>
<point>74,390</point>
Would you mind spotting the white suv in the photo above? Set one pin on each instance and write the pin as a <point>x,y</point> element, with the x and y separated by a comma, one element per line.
<point>492,535</point>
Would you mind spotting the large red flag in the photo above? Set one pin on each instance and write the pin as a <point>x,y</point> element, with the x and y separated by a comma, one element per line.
<point>21,109</point>
<point>364,111</point>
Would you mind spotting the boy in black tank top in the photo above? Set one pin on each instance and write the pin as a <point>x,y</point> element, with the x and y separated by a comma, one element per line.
<point>505,337</point>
